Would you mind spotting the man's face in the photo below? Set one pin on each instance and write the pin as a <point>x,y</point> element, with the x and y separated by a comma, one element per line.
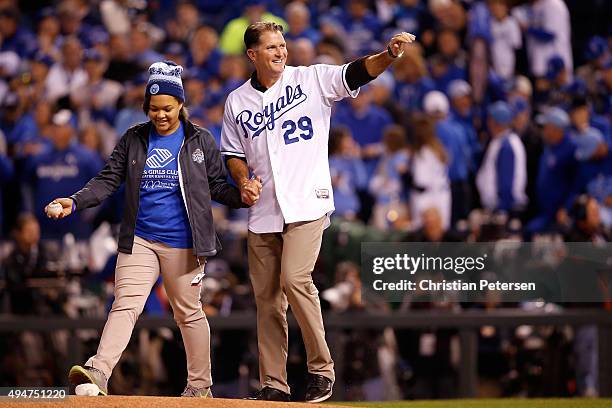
<point>552,134</point>
<point>580,117</point>
<point>29,234</point>
<point>463,103</point>
<point>270,55</point>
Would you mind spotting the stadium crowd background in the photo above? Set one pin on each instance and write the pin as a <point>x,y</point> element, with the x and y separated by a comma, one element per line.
<point>443,147</point>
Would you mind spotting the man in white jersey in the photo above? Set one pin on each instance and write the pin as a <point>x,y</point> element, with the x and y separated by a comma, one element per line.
<point>275,131</point>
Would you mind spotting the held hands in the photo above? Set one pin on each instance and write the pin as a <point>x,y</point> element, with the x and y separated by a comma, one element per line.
<point>395,48</point>
<point>54,211</point>
<point>250,190</point>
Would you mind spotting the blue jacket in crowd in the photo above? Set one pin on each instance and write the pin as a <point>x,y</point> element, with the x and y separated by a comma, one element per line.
<point>556,177</point>
<point>453,137</point>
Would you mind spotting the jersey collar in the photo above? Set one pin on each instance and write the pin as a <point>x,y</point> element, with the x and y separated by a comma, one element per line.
<point>256,84</point>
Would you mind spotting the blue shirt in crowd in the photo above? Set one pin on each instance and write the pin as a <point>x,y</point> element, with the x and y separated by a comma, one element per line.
<point>475,148</point>
<point>59,173</point>
<point>556,177</point>
<point>348,176</point>
<point>455,141</point>
<point>410,95</point>
<point>162,216</point>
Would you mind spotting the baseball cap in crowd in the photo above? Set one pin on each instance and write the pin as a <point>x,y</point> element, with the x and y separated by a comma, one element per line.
<point>500,112</point>
<point>61,118</point>
<point>554,66</point>
<point>174,48</point>
<point>459,88</point>
<point>435,102</point>
<point>92,55</point>
<point>95,36</point>
<point>596,47</point>
<point>518,104</point>
<point>554,116</point>
<point>43,58</point>
<point>577,87</point>
<point>587,142</point>
<point>9,63</point>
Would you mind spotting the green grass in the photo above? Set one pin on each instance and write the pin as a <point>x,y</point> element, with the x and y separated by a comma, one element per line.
<point>487,403</point>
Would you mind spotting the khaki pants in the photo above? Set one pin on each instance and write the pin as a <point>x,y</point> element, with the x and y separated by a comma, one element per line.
<point>280,266</point>
<point>135,275</point>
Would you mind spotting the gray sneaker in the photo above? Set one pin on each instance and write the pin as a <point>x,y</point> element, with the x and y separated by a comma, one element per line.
<point>197,392</point>
<point>88,375</point>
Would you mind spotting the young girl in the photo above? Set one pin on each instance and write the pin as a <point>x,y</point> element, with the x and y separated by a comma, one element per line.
<point>172,170</point>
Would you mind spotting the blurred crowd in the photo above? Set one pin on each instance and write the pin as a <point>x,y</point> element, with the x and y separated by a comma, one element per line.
<point>494,125</point>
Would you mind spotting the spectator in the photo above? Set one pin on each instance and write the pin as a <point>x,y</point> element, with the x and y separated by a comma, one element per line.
<point>556,174</point>
<point>15,36</point>
<point>505,39</point>
<point>412,80</point>
<point>348,173</point>
<point>449,14</point>
<point>38,89</point>
<point>31,134</point>
<point>231,42</point>
<point>502,177</point>
<point>596,53</point>
<point>68,76</point>
<point>451,61</point>
<point>464,113</point>
<point>361,27</point>
<point>366,122</point>
<point>531,137</point>
<point>27,260</point>
<point>122,66</point>
<point>558,87</point>
<point>175,51</point>
<point>457,146</point>
<point>204,53</point>
<point>302,52</point>
<point>96,101</point>
<point>56,173</point>
<point>429,184</point>
<point>131,113</point>
<point>48,34</point>
<point>406,16</point>
<point>184,23</point>
<point>142,44</point>
<point>300,27</point>
<point>386,185</point>
<point>547,27</point>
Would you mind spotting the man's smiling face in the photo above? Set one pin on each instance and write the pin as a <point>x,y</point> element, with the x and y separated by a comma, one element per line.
<point>270,55</point>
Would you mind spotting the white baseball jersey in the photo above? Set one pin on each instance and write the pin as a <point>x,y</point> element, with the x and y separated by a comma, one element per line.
<point>283,134</point>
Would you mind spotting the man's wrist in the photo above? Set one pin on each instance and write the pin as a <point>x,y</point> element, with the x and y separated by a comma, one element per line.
<point>391,52</point>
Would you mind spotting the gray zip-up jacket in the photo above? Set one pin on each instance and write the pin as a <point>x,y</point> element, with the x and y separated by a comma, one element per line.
<point>202,177</point>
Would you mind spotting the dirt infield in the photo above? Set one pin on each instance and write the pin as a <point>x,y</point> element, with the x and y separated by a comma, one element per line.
<point>156,402</point>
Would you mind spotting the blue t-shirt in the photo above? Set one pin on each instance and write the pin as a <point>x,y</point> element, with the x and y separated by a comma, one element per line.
<point>162,216</point>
